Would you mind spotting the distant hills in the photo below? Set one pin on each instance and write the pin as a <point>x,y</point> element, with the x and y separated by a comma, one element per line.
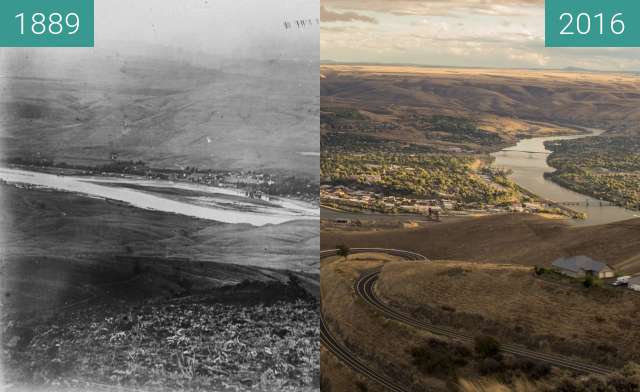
<point>245,114</point>
<point>570,97</point>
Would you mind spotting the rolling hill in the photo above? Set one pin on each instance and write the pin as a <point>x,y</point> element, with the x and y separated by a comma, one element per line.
<point>165,112</point>
<point>509,103</point>
<point>512,238</point>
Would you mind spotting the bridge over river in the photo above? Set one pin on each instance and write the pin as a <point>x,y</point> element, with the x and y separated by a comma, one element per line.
<point>527,162</point>
<point>505,151</point>
<point>585,203</point>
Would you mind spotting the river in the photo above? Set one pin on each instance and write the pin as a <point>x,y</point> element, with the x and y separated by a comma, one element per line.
<point>529,164</point>
<point>220,204</point>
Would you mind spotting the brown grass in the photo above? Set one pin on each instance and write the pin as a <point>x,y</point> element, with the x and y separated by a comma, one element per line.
<point>382,343</point>
<point>507,101</point>
<point>555,315</point>
<point>496,386</point>
<point>513,238</point>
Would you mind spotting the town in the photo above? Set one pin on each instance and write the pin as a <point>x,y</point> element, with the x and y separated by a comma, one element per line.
<point>348,199</point>
<point>255,184</point>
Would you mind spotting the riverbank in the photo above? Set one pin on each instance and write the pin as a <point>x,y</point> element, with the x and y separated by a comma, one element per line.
<point>606,168</point>
<point>527,163</point>
<point>566,211</point>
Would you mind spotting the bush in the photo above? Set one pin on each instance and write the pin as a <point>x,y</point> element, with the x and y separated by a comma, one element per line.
<point>343,250</point>
<point>439,358</point>
<point>490,366</point>
<point>487,346</point>
<point>362,387</point>
<point>532,369</point>
<point>591,281</point>
<point>539,270</point>
<point>626,380</point>
<point>588,281</point>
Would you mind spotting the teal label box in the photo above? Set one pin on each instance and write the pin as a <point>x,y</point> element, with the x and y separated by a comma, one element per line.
<point>592,23</point>
<point>46,23</point>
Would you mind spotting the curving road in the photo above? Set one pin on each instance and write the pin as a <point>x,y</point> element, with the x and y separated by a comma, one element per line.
<point>364,288</point>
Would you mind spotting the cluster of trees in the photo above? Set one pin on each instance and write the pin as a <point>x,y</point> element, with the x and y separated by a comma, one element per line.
<point>457,129</point>
<point>31,161</point>
<point>604,167</point>
<point>430,176</point>
<point>292,186</point>
<point>341,142</point>
<point>273,184</point>
<point>336,117</point>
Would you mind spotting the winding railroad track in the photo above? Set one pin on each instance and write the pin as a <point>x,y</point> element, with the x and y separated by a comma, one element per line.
<point>352,361</point>
<point>364,288</point>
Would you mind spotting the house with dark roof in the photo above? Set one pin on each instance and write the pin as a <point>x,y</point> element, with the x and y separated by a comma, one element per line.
<point>581,266</point>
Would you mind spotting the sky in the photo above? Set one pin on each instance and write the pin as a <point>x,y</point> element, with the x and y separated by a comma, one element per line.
<point>219,27</point>
<point>483,33</point>
<point>198,31</point>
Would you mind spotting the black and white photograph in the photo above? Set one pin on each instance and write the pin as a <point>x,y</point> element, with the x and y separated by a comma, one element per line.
<point>159,202</point>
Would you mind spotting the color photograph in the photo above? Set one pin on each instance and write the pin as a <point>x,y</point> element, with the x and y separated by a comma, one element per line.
<point>480,205</point>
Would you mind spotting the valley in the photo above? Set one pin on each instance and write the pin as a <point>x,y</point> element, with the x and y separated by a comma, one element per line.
<point>464,115</point>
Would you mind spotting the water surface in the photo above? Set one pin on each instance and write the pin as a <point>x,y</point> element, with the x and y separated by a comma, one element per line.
<point>529,163</point>
<point>216,207</point>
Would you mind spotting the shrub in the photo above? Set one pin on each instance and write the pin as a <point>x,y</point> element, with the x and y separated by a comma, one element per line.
<point>439,358</point>
<point>362,387</point>
<point>448,308</point>
<point>588,281</point>
<point>490,366</point>
<point>487,346</point>
<point>343,250</point>
<point>591,281</point>
<point>532,369</point>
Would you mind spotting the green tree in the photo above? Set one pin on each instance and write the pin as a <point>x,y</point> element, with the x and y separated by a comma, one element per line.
<point>343,250</point>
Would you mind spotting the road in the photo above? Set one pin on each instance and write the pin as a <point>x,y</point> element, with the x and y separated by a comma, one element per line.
<point>364,288</point>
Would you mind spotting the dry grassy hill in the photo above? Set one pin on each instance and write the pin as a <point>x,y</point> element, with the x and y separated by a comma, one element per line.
<point>509,102</point>
<point>167,113</point>
<point>76,247</point>
<point>514,303</point>
<point>513,238</point>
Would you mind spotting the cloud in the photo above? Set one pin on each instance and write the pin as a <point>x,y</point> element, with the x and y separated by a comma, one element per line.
<point>434,7</point>
<point>327,15</point>
<point>488,33</point>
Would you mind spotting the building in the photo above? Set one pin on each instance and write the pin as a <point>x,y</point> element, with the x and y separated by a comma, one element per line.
<point>580,266</point>
<point>634,283</point>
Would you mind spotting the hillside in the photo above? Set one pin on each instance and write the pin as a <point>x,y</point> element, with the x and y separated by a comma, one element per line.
<point>511,302</point>
<point>77,247</point>
<point>254,336</point>
<point>510,238</point>
<point>167,113</point>
<point>399,103</point>
<point>507,302</point>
